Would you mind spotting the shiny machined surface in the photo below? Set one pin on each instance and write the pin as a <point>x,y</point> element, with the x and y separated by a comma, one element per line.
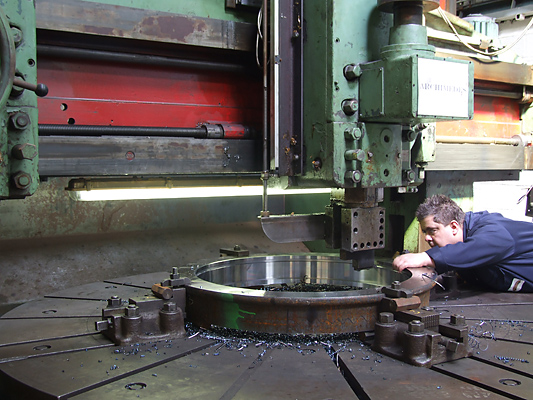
<point>253,272</point>
<point>227,294</point>
<point>50,350</point>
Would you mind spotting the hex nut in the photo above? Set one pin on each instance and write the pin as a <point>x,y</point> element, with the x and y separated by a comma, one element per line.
<point>132,311</point>
<point>416,326</point>
<point>457,319</point>
<point>169,307</point>
<point>386,318</point>
<point>396,285</point>
<point>350,107</point>
<point>19,120</point>
<point>21,180</point>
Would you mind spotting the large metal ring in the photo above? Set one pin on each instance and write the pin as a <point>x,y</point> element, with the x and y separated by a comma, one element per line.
<point>225,294</point>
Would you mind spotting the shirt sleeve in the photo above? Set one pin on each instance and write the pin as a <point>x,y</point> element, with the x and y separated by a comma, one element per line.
<point>488,244</point>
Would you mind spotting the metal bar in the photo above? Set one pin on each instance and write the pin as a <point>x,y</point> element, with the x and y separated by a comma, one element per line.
<point>266,163</point>
<point>95,130</point>
<point>98,55</point>
<point>514,141</point>
<point>498,93</point>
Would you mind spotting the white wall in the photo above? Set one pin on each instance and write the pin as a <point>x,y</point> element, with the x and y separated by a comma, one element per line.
<point>506,197</point>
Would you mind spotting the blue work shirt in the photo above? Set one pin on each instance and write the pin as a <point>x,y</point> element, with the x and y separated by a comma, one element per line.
<point>489,240</point>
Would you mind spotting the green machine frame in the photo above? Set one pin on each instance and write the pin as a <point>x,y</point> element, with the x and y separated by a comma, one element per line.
<point>18,100</point>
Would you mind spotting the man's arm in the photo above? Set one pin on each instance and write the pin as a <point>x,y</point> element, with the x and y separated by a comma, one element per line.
<point>412,260</point>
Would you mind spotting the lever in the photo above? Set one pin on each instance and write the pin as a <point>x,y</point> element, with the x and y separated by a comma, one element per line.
<point>40,89</point>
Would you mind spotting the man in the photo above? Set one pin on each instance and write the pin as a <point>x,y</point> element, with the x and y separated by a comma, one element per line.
<point>482,247</point>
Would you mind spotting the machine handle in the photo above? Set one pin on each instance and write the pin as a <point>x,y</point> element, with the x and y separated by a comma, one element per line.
<point>40,89</point>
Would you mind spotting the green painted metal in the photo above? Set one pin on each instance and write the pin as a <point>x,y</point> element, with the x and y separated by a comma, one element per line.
<point>341,33</point>
<point>396,101</point>
<point>18,118</point>
<point>360,78</point>
<point>215,9</point>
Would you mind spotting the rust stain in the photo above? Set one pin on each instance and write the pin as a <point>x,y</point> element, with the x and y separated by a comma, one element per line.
<point>99,30</point>
<point>170,27</point>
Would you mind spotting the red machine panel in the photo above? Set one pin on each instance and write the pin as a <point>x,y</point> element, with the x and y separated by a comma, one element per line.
<point>98,93</point>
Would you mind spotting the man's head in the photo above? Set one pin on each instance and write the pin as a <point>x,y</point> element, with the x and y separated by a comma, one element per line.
<point>441,220</point>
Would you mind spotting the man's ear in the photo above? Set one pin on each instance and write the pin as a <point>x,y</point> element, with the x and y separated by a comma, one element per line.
<point>455,227</point>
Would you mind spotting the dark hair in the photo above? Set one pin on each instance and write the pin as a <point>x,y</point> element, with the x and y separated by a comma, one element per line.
<point>443,209</point>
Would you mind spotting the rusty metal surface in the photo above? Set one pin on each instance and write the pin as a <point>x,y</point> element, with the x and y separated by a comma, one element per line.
<point>84,156</point>
<point>135,23</point>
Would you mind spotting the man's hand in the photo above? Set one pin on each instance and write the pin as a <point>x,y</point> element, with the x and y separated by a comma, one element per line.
<point>412,260</point>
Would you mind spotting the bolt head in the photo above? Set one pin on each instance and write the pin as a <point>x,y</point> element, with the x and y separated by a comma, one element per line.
<point>352,72</point>
<point>26,151</point>
<point>386,318</point>
<point>416,326</point>
<point>175,273</point>
<point>114,301</point>
<point>410,175</point>
<point>17,35</point>
<point>354,176</point>
<point>396,285</point>
<point>350,107</point>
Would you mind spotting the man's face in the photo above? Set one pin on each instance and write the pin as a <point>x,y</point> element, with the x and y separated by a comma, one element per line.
<point>439,235</point>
